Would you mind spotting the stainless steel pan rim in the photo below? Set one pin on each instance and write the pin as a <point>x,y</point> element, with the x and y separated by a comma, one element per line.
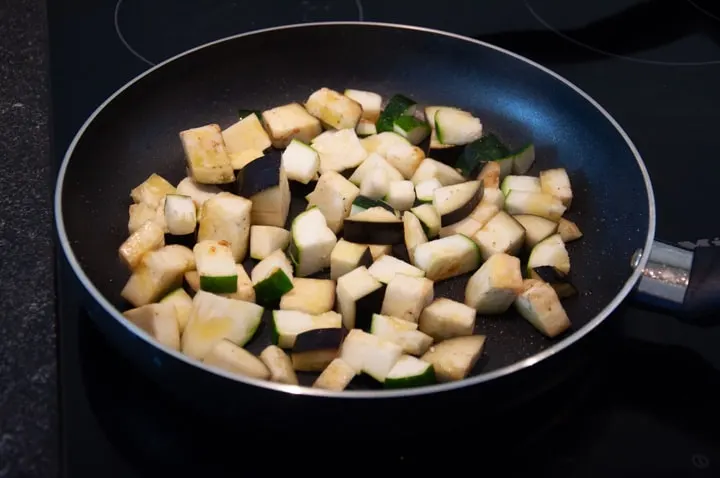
<point>354,394</point>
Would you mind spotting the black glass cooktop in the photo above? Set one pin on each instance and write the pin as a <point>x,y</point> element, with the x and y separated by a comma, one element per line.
<point>645,407</point>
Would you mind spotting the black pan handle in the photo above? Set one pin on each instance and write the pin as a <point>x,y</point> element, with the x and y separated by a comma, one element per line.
<point>683,282</point>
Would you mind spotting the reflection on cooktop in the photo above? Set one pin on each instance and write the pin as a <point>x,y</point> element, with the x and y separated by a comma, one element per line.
<point>663,32</point>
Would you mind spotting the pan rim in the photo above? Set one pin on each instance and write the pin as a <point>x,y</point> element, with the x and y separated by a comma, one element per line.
<point>357,394</point>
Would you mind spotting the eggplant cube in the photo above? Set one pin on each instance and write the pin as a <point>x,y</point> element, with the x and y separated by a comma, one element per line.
<point>359,296</point>
<point>334,109</point>
<point>313,296</point>
<point>152,191</point>
<point>207,157</point>
<point>568,230</point>
<point>288,122</point>
<point>493,287</point>
<point>264,240</point>
<point>279,365</point>
<point>300,161</point>
<point>398,151</point>
<point>198,192</point>
<point>333,195</point>
<point>159,321</point>
<point>501,234</point>
<point>339,150</point>
<point>139,214</point>
<point>348,256</point>
<point>557,183</point>
<point>407,296</point>
<point>369,353</point>
<point>370,102</point>
<point>445,319</point>
<point>265,183</point>
<point>371,163</point>
<point>245,141</point>
<point>316,349</point>
<point>387,267</point>
<point>540,305</point>
<point>312,242</point>
<point>288,324</point>
<point>227,356</point>
<point>158,272</point>
<point>336,376</point>
<point>453,358</point>
<point>401,332</point>
<point>148,237</point>
<point>227,217</point>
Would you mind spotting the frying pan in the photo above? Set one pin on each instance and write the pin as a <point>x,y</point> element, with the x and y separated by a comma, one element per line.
<point>135,133</point>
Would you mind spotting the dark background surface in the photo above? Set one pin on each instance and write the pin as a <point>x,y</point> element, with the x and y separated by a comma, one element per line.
<point>658,76</point>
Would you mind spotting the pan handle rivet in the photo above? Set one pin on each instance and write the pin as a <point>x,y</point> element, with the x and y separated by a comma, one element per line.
<point>636,257</point>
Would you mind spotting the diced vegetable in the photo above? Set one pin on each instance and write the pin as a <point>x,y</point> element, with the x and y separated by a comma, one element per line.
<point>387,267</point>
<point>316,349</point>
<point>312,242</point>
<point>379,250</point>
<point>539,304</point>
<point>445,319</point>
<point>432,169</point>
<point>348,256</point>
<point>549,252</point>
<point>413,232</point>
<point>374,226</point>
<point>279,365</point>
<point>407,296</point>
<point>374,162</point>
<point>334,109</point>
<point>398,151</point>
<point>288,324</point>
<point>490,174</point>
<point>334,196</point>
<point>500,234</point>
<point>300,161</point>
<point>272,278</point>
<point>411,128</point>
<point>454,203</point>
<point>363,203</point>
<point>157,273</point>
<point>484,212</point>
<point>557,183</point>
<point>557,279</point>
<point>467,227</point>
<point>183,306</point>
<point>359,295</point>
<point>523,159</point>
<point>425,190</point>
<point>494,196</point>
<point>375,185</point>
<point>198,192</point>
<point>139,214</point>
<point>493,287</point>
<point>365,128</point>
<point>245,141</point>
<point>370,354</point>
<point>536,228</point>
<point>228,356</point>
<point>397,106</point>
<point>180,214</point>
<point>152,191</point>
<point>214,318</point>
<point>401,195</point>
<point>264,240</point>
<point>265,183</point>
<point>537,204</point>
<point>371,103</point>
<point>447,257</point>
<point>568,230</point>
<point>456,127</point>
<point>336,376</point>
<point>215,266</point>
<point>410,372</point>
<point>159,321</point>
<point>487,148</point>
<point>313,296</point>
<point>245,290</point>
<point>453,358</point>
<point>520,183</point>
<point>288,122</point>
<point>429,219</point>
<point>226,217</point>
<point>207,158</point>
<point>148,237</point>
<point>402,333</point>
<point>339,150</point>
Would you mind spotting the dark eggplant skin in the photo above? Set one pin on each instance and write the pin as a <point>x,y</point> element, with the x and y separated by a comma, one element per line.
<point>319,339</point>
<point>450,155</point>
<point>400,251</point>
<point>187,240</point>
<point>557,279</point>
<point>368,305</point>
<point>259,174</point>
<point>367,232</point>
<point>463,211</point>
<point>366,260</point>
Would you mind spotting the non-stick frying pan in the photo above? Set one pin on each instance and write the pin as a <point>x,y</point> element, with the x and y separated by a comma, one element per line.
<point>135,133</point>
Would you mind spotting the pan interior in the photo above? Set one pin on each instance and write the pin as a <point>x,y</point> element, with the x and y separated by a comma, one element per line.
<point>137,134</point>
